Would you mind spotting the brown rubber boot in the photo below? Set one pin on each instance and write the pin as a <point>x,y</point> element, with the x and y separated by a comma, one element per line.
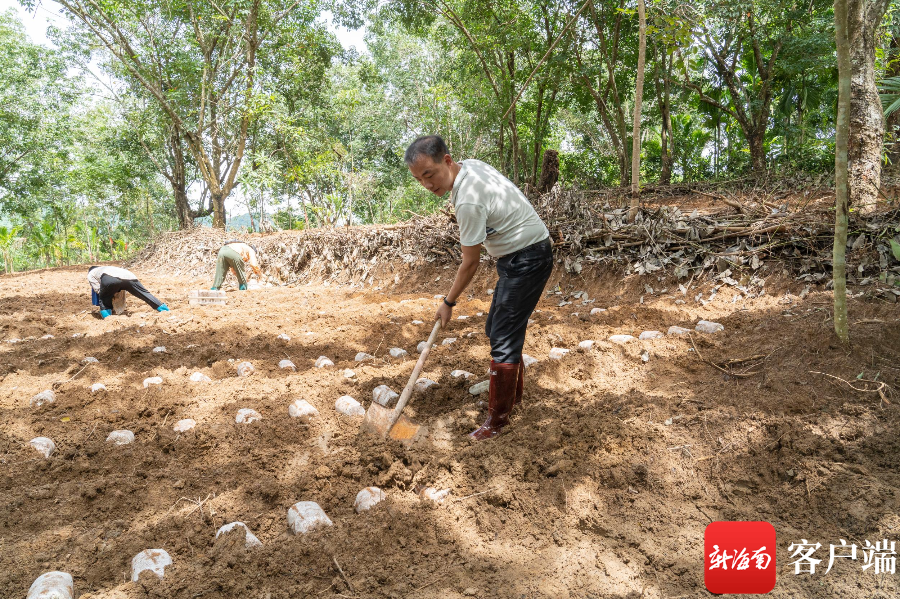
<point>504,377</point>
<point>520,385</point>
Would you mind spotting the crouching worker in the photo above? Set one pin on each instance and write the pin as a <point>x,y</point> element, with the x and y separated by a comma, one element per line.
<point>108,287</point>
<point>491,211</point>
<point>235,256</point>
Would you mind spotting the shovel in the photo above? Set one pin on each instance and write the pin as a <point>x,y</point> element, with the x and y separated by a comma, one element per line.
<point>386,422</point>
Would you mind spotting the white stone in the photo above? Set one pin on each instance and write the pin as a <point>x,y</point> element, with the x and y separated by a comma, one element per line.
<point>155,560</point>
<point>247,415</point>
<point>48,337</point>
<point>461,373</point>
<point>398,352</point>
<point>323,361</point>
<point>361,356</point>
<point>621,339</point>
<point>438,296</point>
<point>528,360</point>
<point>480,388</point>
<point>250,540</point>
<point>417,322</point>
<point>651,335</point>
<point>423,383</point>
<point>89,359</point>
<point>586,344</point>
<point>420,348</point>
<point>384,395</point>
<point>284,336</point>
<point>434,495</point>
<point>531,321</point>
<point>55,584</point>
<point>349,373</point>
<point>645,356</point>
<point>462,317</point>
<point>709,327</point>
<point>286,364</point>
<point>676,330</point>
<point>448,341</point>
<point>120,437</point>
<point>306,516</point>
<point>490,292</point>
<point>597,311</point>
<point>152,381</point>
<point>303,410</point>
<point>348,406</point>
<point>45,397</point>
<point>159,349</point>
<point>199,377</point>
<point>98,387</point>
<point>43,445</point>
<point>368,498</point>
<point>184,425</point>
<point>245,368</point>
<point>558,353</point>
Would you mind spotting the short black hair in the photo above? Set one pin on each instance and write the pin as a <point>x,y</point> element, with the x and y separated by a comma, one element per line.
<point>429,145</point>
<point>92,268</point>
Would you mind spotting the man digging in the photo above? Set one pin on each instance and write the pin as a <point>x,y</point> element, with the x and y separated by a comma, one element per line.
<point>108,288</point>
<point>235,256</point>
<point>491,211</point>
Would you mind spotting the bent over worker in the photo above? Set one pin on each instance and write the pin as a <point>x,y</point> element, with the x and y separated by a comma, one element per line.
<point>491,212</point>
<point>234,256</point>
<point>107,282</point>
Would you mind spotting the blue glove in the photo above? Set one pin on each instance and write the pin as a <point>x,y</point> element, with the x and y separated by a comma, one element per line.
<point>243,287</point>
<point>105,313</point>
<point>163,308</point>
<point>213,288</point>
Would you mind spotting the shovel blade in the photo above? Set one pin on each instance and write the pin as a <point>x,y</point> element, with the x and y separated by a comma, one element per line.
<point>378,418</point>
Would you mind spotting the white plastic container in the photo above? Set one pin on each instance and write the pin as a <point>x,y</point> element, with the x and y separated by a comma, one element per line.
<point>398,352</point>
<point>198,377</point>
<point>155,560</point>
<point>120,437</point>
<point>45,397</point>
<point>384,395</point>
<point>304,517</point>
<point>368,498</point>
<point>152,381</point>
<point>323,361</point>
<point>250,540</point>
<point>303,410</point>
<point>43,445</point>
<point>558,353</point>
<point>245,368</point>
<point>55,584</point>
<point>350,407</point>
<point>184,425</point>
<point>286,364</point>
<point>247,415</point>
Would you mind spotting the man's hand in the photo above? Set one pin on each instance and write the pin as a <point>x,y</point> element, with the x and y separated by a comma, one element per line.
<point>444,313</point>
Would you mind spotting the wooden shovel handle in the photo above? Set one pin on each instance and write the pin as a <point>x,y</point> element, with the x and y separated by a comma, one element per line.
<point>407,391</point>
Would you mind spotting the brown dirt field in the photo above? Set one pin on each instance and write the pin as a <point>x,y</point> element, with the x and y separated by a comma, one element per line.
<point>602,485</point>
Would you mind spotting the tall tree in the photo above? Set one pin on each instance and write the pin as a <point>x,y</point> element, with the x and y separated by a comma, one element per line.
<point>866,117</point>
<point>841,171</point>
<point>636,127</point>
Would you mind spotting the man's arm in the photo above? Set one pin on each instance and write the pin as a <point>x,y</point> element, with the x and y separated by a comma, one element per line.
<point>471,256</point>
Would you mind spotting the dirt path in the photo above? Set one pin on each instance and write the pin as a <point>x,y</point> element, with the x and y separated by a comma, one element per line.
<point>602,486</point>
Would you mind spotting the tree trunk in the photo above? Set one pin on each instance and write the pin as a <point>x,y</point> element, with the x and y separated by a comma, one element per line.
<point>866,117</point>
<point>218,204</point>
<point>549,171</point>
<point>756,141</point>
<point>892,126</point>
<point>841,171</point>
<point>636,122</point>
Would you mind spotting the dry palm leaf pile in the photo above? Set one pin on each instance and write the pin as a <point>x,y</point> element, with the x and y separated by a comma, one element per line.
<point>736,238</point>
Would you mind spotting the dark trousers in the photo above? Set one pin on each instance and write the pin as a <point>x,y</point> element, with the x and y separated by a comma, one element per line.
<point>110,286</point>
<point>523,275</point>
